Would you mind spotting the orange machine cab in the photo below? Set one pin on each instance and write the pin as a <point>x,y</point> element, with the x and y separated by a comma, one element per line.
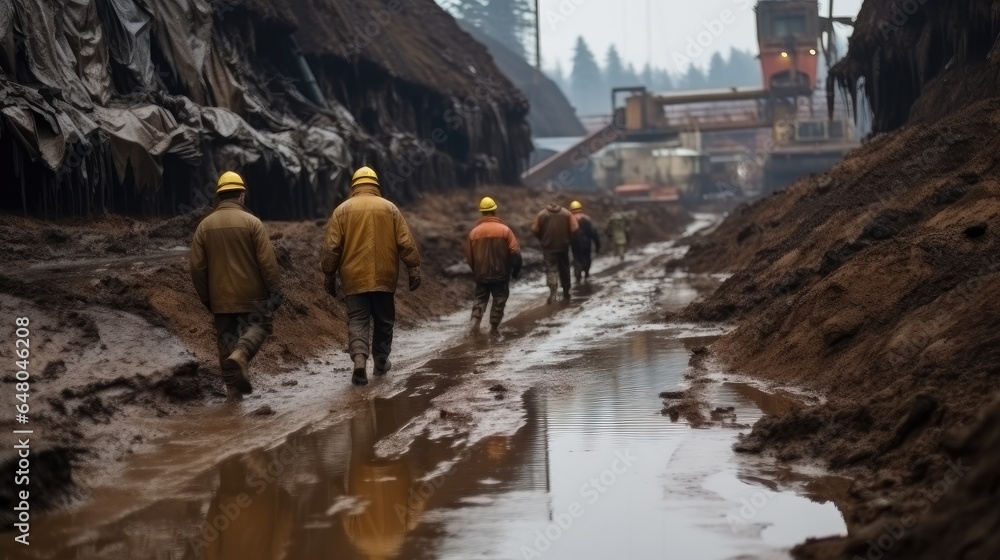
<point>788,37</point>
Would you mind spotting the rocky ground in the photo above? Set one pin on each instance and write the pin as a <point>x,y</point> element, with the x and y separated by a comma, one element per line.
<point>118,334</point>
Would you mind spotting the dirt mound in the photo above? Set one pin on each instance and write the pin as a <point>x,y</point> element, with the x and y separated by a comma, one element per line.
<point>875,285</point>
<point>551,113</point>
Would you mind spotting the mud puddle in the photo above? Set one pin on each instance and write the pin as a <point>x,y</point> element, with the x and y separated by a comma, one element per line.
<point>545,443</point>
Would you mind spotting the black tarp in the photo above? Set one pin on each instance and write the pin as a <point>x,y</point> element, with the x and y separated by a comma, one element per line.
<point>137,105</point>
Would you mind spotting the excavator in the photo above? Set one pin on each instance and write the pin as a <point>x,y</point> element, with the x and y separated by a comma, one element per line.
<point>653,147</point>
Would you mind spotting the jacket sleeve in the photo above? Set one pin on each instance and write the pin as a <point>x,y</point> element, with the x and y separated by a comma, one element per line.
<point>594,235</point>
<point>405,244</point>
<point>266,260</point>
<point>515,254</point>
<point>468,251</point>
<point>512,245</point>
<point>573,224</point>
<point>536,224</point>
<point>333,245</point>
<point>199,267</point>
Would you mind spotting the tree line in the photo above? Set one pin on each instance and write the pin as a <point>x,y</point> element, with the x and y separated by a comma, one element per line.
<point>588,83</point>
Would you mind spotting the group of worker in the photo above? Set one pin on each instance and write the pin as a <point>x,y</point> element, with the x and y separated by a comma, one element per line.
<point>236,275</point>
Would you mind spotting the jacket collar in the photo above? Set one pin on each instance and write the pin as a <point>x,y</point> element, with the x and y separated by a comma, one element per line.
<point>554,208</point>
<point>486,219</point>
<point>365,190</point>
<point>232,203</point>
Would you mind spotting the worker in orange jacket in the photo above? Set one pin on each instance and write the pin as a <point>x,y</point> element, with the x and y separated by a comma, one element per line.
<point>494,256</point>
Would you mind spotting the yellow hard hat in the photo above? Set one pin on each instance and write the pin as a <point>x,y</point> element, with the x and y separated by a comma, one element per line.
<point>364,176</point>
<point>230,181</point>
<point>575,206</point>
<point>487,204</point>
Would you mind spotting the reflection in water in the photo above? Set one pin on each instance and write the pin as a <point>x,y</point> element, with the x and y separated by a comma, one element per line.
<point>329,494</point>
<point>385,489</point>
<point>251,515</point>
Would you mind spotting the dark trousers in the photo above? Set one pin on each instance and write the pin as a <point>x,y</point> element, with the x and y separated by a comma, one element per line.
<point>362,310</point>
<point>581,262</point>
<point>557,270</point>
<point>246,330</point>
<point>500,292</point>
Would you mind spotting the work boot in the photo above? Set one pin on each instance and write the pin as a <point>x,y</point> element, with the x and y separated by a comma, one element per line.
<point>237,373</point>
<point>474,325</point>
<point>360,376</point>
<point>565,295</point>
<point>494,330</point>
<point>552,296</point>
<point>381,367</point>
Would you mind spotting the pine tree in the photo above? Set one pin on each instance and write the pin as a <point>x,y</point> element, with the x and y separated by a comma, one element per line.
<point>719,74</point>
<point>631,76</point>
<point>558,75</point>
<point>587,88</point>
<point>614,70</point>
<point>646,78</point>
<point>662,81</point>
<point>508,21</point>
<point>694,78</point>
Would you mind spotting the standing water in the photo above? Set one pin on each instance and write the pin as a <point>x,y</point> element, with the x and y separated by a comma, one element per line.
<point>547,443</point>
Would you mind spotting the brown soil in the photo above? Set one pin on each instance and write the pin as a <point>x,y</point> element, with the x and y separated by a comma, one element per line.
<point>876,285</point>
<point>118,334</point>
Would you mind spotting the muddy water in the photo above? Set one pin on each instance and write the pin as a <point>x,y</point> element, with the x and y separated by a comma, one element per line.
<point>545,443</point>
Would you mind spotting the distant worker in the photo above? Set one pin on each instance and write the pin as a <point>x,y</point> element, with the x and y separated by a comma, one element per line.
<point>494,255</point>
<point>620,232</point>
<point>365,239</point>
<point>236,275</point>
<point>554,227</point>
<point>585,236</point>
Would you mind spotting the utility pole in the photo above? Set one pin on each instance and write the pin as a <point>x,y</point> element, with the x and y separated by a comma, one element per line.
<point>538,37</point>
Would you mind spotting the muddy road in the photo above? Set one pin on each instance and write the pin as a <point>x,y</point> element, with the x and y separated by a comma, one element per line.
<point>547,442</point>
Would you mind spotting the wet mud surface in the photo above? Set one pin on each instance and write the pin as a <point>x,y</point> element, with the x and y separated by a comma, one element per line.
<point>548,441</point>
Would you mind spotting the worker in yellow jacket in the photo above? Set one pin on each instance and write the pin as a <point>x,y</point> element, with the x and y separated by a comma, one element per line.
<point>366,238</point>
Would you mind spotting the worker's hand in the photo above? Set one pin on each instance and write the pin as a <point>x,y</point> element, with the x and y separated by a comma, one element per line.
<point>330,284</point>
<point>274,301</point>
<point>414,282</point>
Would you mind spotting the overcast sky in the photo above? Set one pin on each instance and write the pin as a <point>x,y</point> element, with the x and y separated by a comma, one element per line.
<point>673,22</point>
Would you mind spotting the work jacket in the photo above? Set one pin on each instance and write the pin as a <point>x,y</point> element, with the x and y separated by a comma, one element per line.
<point>585,235</point>
<point>618,229</point>
<point>365,239</point>
<point>492,251</point>
<point>554,226</point>
<point>232,261</point>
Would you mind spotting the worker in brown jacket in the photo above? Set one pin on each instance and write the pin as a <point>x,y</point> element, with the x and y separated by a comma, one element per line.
<point>494,256</point>
<point>555,227</point>
<point>586,236</point>
<point>237,278</point>
<point>365,239</point>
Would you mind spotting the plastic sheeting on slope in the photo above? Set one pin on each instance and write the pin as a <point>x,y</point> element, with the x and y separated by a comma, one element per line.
<point>139,93</point>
